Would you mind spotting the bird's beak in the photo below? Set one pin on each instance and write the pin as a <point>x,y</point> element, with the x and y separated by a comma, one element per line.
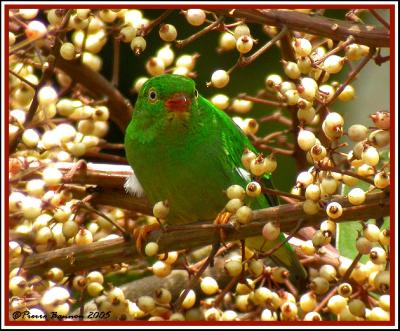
<point>178,102</point>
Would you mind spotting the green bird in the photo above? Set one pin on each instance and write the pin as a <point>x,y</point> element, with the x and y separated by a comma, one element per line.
<point>185,150</point>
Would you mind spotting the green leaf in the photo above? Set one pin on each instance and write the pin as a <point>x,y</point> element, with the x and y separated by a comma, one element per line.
<point>346,235</point>
<point>347,232</point>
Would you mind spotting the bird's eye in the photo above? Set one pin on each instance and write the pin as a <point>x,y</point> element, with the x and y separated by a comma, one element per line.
<point>196,93</point>
<point>152,95</point>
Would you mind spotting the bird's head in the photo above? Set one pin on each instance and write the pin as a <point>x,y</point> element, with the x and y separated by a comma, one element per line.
<point>166,100</point>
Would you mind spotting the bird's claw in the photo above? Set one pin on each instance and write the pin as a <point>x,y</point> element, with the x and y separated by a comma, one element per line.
<point>222,218</point>
<point>141,233</point>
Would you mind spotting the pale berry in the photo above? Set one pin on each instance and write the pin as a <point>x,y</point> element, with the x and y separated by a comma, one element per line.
<point>168,32</point>
<point>357,132</point>
<point>363,245</point>
<point>161,209</point>
<point>221,101</point>
<point>244,44</point>
<point>302,47</point>
<point>244,214</point>
<point>291,69</point>
<point>356,196</point>
<point>209,285</point>
<point>272,81</point>
<point>35,30</point>
<point>311,207</point>
<point>347,94</point>
<point>220,78</point>
<point>241,30</point>
<point>336,303</point>
<point>381,180</point>
<point>334,210</point>
<point>235,192</point>
<point>271,231</point>
<point>196,17</point>
<point>227,41</point>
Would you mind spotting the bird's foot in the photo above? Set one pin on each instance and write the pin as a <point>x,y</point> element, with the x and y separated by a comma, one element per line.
<point>141,233</point>
<point>222,218</point>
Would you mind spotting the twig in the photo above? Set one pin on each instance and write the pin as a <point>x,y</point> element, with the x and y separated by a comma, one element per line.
<point>85,35</point>
<point>380,18</point>
<point>197,276</point>
<point>281,193</point>
<point>325,300</point>
<point>298,154</point>
<point>352,75</point>
<point>27,82</point>
<point>283,242</point>
<point>246,60</point>
<point>275,150</point>
<point>268,137</point>
<point>84,205</point>
<point>343,45</point>
<point>291,288</point>
<point>276,104</point>
<point>227,288</point>
<point>277,116</point>
<point>193,37</point>
<point>148,28</point>
<point>344,172</point>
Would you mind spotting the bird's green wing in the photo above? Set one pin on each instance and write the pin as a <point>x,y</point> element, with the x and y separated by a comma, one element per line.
<point>235,142</point>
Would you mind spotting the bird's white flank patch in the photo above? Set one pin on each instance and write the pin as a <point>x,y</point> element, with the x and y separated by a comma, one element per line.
<point>133,186</point>
<point>244,174</point>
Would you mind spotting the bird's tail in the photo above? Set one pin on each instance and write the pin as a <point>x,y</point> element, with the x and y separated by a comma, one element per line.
<point>284,256</point>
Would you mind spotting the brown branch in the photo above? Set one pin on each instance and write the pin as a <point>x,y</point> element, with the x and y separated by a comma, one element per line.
<point>298,154</point>
<point>104,175</point>
<point>111,197</point>
<point>109,180</point>
<point>102,253</point>
<point>369,35</point>
<point>116,60</point>
<point>105,156</point>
